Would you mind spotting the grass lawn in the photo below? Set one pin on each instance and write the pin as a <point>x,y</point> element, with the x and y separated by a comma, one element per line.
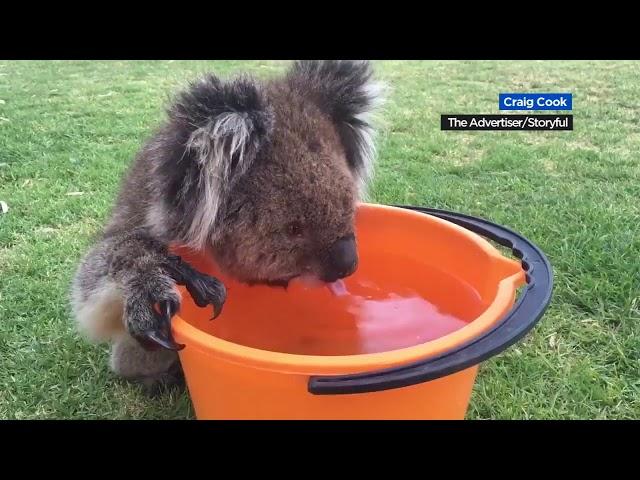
<point>69,129</point>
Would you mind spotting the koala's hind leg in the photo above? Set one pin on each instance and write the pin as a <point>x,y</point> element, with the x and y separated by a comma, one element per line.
<point>154,370</point>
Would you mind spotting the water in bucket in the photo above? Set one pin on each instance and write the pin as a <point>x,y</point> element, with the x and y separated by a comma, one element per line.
<point>376,310</point>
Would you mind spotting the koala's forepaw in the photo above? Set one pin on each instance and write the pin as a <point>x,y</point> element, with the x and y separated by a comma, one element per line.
<point>149,307</point>
<point>204,289</point>
<point>207,290</point>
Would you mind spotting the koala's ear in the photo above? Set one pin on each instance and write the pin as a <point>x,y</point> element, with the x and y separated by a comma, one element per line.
<point>225,125</point>
<point>214,133</point>
<point>345,90</point>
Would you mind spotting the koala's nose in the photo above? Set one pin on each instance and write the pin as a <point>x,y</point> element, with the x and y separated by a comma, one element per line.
<point>341,260</point>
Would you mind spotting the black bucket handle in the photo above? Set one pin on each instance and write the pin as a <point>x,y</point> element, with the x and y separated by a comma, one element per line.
<point>525,313</point>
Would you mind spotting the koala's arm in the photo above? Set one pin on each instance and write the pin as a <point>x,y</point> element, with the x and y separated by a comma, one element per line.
<point>128,281</point>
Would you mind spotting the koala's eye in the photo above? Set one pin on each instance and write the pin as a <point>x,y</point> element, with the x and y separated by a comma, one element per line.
<point>295,229</point>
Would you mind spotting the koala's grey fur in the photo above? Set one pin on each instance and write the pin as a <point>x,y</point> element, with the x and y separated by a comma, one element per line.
<point>265,176</point>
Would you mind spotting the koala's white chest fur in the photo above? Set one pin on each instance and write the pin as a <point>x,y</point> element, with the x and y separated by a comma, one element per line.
<point>100,316</point>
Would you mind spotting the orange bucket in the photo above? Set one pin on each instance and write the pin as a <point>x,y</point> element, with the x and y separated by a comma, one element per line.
<point>430,301</point>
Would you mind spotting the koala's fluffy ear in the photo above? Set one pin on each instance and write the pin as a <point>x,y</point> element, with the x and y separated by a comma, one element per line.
<point>346,91</point>
<point>227,123</point>
<point>218,128</point>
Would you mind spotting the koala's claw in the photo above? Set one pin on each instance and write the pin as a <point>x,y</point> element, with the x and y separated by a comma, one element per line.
<point>204,289</point>
<point>155,334</point>
<point>162,335</point>
<point>164,340</point>
<point>217,308</point>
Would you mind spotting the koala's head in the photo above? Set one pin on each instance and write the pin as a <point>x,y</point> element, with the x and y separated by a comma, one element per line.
<point>269,174</point>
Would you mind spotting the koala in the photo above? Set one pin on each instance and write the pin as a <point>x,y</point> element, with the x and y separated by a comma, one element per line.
<point>264,176</point>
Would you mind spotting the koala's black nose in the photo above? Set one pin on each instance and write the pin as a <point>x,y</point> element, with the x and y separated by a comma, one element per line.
<point>341,259</point>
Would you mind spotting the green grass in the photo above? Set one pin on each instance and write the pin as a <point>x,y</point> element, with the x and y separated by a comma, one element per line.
<point>74,126</point>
